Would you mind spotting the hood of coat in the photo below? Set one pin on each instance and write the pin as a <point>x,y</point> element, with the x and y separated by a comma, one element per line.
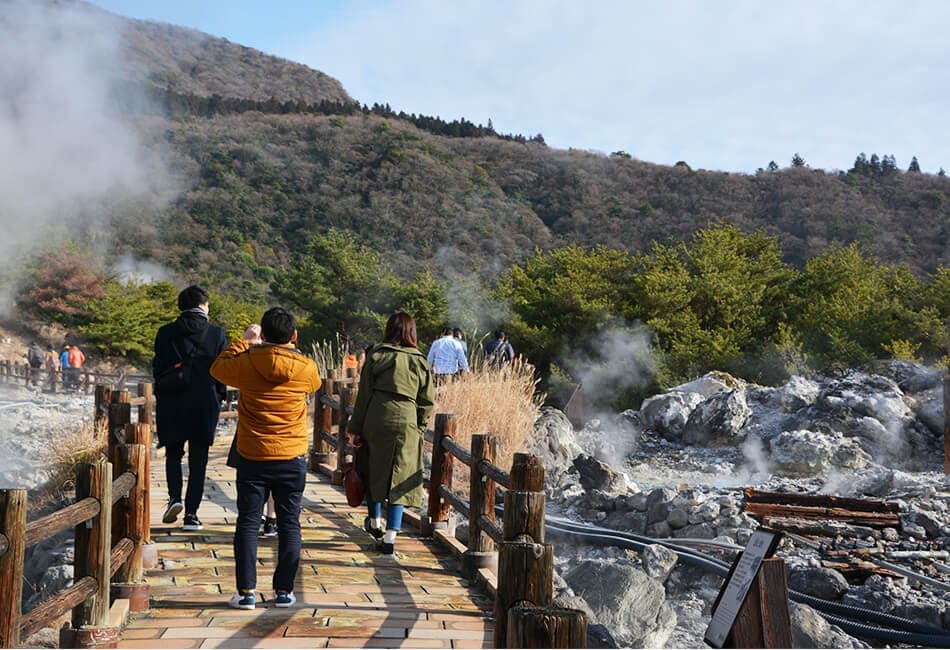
<point>192,322</point>
<point>277,363</point>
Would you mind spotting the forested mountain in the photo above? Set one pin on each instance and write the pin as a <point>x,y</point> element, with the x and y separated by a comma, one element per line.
<point>271,153</point>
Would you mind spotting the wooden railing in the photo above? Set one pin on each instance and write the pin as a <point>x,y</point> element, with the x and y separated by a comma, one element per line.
<point>60,380</point>
<point>513,559</point>
<point>110,517</point>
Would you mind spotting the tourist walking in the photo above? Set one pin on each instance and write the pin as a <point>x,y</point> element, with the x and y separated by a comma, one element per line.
<point>274,379</point>
<point>188,400</point>
<point>393,407</point>
<point>35,359</point>
<point>447,356</point>
<point>498,351</point>
<point>51,363</point>
<point>76,361</point>
<point>64,365</point>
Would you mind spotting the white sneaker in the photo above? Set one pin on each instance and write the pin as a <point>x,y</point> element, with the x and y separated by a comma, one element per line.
<point>285,599</point>
<point>242,601</point>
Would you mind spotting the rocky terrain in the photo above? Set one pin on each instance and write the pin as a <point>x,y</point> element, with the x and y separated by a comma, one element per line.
<point>674,470</point>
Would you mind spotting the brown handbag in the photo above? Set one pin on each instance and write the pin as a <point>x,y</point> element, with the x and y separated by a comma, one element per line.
<point>352,481</point>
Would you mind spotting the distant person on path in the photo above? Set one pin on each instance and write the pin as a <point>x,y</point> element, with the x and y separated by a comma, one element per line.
<point>189,412</point>
<point>34,357</point>
<point>64,365</point>
<point>274,379</point>
<point>447,357</point>
<point>393,407</point>
<point>51,362</point>
<point>498,352</point>
<point>76,361</point>
<point>460,337</point>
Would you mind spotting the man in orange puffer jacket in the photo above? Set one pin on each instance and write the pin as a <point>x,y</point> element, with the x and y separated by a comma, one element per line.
<point>274,379</point>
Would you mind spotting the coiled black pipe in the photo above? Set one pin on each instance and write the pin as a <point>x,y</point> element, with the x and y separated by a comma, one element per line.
<point>934,636</point>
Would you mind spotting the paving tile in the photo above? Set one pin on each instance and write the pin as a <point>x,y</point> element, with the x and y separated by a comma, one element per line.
<point>471,643</point>
<point>290,644</point>
<point>171,644</point>
<point>168,622</point>
<point>142,633</point>
<point>474,635</point>
<point>389,643</point>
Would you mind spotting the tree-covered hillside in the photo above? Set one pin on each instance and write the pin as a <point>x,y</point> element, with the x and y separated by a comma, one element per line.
<point>269,153</point>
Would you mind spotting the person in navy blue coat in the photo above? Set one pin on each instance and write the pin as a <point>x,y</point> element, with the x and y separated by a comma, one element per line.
<point>188,410</point>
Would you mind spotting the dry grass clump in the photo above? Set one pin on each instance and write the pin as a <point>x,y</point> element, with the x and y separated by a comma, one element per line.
<point>329,354</point>
<point>497,401</point>
<point>83,445</point>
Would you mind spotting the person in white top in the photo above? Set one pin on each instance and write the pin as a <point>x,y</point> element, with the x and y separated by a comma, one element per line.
<point>447,357</point>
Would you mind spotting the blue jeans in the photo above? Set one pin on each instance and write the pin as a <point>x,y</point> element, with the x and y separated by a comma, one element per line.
<point>393,513</point>
<point>285,480</point>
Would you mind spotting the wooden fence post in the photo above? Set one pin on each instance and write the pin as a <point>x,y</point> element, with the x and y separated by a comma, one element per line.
<point>763,620</point>
<point>147,410</point>
<point>120,414</point>
<point>102,400</point>
<point>13,532</point>
<point>546,627</point>
<point>93,553</point>
<point>129,581</point>
<point>525,564</point>
<point>481,547</point>
<point>321,452</point>
<point>347,399</point>
<point>437,515</point>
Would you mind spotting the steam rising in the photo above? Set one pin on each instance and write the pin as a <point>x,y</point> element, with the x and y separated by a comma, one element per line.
<point>65,152</point>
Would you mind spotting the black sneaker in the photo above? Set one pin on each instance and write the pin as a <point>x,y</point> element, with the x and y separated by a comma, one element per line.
<point>386,548</point>
<point>172,511</point>
<point>191,523</point>
<point>371,529</point>
<point>270,528</point>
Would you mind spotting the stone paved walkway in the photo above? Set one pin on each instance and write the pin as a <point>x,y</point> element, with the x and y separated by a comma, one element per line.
<point>348,595</point>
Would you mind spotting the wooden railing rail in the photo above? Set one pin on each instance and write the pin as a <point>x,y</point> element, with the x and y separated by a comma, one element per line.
<point>523,564</point>
<point>102,550</point>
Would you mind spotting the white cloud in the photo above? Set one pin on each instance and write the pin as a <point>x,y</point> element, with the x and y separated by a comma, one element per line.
<point>722,85</point>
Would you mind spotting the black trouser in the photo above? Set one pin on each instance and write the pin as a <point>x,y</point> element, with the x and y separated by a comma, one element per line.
<point>285,480</point>
<point>197,464</point>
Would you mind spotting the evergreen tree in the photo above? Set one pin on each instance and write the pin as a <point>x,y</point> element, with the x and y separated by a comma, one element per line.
<point>773,166</point>
<point>798,161</point>
<point>914,167</point>
<point>888,165</point>
<point>860,165</point>
<point>874,166</point>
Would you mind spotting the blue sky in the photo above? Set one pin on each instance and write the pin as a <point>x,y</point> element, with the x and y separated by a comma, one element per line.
<point>721,85</point>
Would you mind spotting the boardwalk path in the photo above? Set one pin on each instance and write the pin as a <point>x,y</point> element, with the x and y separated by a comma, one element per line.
<point>348,595</point>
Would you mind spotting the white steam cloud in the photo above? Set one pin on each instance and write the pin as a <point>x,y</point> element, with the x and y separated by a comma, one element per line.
<point>619,359</point>
<point>65,152</point>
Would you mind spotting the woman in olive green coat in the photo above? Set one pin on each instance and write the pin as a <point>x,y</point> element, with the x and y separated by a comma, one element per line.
<point>392,409</point>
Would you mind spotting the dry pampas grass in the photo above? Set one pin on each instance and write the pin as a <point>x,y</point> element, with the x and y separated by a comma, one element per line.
<point>497,401</point>
<point>82,445</point>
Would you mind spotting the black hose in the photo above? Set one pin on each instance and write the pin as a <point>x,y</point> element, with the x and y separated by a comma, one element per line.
<point>891,636</point>
<point>637,542</point>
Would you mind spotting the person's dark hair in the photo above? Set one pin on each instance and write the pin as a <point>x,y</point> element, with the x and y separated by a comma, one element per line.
<point>447,331</point>
<point>500,334</point>
<point>457,333</point>
<point>191,297</point>
<point>401,330</point>
<point>278,325</point>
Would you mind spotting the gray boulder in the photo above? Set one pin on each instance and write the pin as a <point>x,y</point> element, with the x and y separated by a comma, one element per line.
<point>626,600</point>
<point>596,475</point>
<point>806,453</point>
<point>668,412</point>
<point>658,561</point>
<point>658,504</point>
<point>719,419</point>
<point>819,582</point>
<point>811,630</point>
<point>555,443</point>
